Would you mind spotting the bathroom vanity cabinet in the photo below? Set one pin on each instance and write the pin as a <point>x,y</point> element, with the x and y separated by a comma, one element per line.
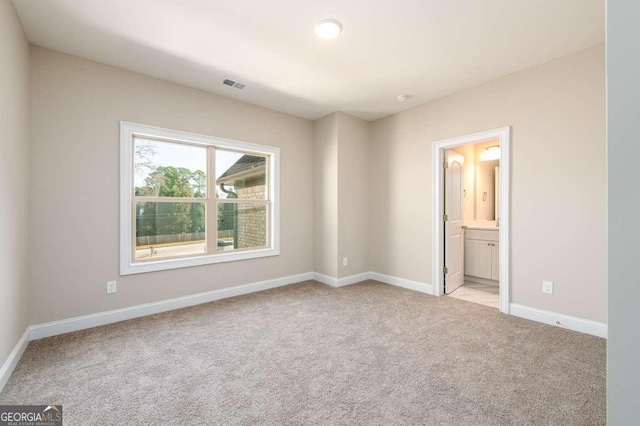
<point>481,257</point>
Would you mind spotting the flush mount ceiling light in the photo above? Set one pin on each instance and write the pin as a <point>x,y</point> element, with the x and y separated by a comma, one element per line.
<point>402,98</point>
<point>490,153</point>
<point>328,29</point>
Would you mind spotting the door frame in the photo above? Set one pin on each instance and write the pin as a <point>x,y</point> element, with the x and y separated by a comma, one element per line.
<point>503,134</point>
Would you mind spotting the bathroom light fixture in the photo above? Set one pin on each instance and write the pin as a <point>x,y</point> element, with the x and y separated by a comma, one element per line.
<point>328,29</point>
<point>490,153</point>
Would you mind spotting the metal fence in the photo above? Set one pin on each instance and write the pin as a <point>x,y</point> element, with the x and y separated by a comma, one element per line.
<point>185,237</point>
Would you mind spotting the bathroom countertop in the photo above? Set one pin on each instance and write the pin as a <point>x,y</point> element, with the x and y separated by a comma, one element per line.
<point>484,227</point>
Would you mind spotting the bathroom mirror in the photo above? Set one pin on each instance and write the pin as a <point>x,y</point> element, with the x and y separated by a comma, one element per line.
<point>486,189</point>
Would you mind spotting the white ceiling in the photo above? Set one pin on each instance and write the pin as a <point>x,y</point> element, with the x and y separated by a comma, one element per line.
<point>423,48</point>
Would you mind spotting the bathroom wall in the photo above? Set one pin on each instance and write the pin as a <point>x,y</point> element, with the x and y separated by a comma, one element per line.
<point>479,178</point>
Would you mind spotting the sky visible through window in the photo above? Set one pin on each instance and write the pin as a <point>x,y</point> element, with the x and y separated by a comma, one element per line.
<point>180,155</point>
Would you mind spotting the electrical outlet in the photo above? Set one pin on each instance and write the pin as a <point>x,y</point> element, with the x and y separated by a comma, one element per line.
<point>547,287</point>
<point>112,287</point>
<point>345,261</point>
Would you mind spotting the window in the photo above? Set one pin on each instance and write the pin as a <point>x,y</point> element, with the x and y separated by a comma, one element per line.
<point>189,199</point>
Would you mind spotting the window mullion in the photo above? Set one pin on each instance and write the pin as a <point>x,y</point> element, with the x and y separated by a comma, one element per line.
<point>212,204</point>
<point>242,200</point>
<point>147,199</point>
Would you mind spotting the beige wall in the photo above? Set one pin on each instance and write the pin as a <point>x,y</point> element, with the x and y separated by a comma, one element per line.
<point>326,195</point>
<point>14,175</point>
<point>341,195</point>
<point>623,173</point>
<point>557,114</point>
<point>357,170</point>
<point>353,194</point>
<point>76,107</point>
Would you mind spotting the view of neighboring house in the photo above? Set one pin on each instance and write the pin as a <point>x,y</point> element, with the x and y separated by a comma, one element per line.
<point>243,225</point>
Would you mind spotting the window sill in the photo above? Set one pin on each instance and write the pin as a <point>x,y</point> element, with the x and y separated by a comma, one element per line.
<point>129,268</point>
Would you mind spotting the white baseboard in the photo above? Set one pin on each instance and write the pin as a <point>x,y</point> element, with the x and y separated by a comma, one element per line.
<point>352,279</point>
<point>325,279</point>
<point>54,328</point>
<point>401,282</point>
<point>94,320</point>
<point>14,357</point>
<point>565,321</point>
<point>387,279</point>
<point>341,282</point>
<point>481,280</point>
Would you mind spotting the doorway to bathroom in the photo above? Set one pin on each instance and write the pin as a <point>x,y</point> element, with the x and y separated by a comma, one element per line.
<point>471,218</point>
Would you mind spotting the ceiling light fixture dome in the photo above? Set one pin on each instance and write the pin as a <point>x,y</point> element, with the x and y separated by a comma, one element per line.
<point>328,29</point>
<point>490,153</point>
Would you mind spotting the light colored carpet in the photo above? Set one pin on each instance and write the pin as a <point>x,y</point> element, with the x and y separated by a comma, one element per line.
<point>368,354</point>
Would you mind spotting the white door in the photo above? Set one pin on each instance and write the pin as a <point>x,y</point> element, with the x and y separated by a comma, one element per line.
<point>453,238</point>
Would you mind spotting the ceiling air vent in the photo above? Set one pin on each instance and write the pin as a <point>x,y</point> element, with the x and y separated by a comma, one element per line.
<point>232,83</point>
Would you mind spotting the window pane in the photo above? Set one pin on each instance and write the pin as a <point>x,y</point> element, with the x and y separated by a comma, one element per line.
<point>241,226</point>
<point>240,175</point>
<point>167,169</point>
<point>169,229</point>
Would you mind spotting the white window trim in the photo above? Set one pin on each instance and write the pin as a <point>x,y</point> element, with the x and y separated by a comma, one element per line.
<point>127,265</point>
